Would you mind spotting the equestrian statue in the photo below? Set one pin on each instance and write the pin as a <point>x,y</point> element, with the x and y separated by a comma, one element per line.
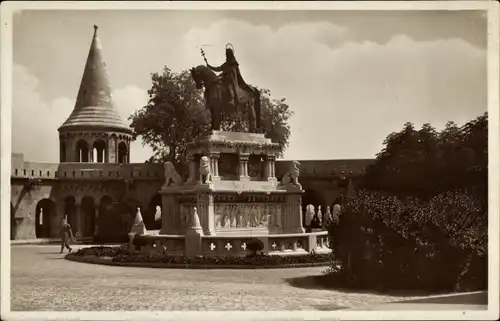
<point>229,91</point>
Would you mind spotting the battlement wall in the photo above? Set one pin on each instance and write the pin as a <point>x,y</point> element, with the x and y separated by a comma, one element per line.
<point>324,169</point>
<point>24,169</point>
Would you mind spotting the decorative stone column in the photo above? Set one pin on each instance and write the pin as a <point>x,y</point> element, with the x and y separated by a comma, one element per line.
<point>214,164</point>
<point>168,209</point>
<point>206,212</point>
<point>270,167</point>
<point>243,166</point>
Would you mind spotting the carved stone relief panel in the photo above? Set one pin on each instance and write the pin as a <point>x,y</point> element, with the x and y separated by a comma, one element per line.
<point>241,215</point>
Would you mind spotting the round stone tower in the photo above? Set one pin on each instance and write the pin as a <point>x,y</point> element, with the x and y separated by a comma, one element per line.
<point>95,132</point>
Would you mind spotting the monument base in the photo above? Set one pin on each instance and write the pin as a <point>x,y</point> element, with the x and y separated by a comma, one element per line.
<point>233,189</point>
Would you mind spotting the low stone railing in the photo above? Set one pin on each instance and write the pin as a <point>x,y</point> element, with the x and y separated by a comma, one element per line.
<point>274,244</point>
<point>159,244</point>
<point>286,244</point>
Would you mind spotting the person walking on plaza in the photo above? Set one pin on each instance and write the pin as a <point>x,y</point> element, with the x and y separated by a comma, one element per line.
<point>66,235</point>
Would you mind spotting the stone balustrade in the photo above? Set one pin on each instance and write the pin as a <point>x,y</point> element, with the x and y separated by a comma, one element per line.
<point>159,244</point>
<point>282,244</point>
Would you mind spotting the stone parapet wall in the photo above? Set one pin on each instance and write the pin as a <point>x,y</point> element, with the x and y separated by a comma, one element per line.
<point>51,171</point>
<point>283,244</point>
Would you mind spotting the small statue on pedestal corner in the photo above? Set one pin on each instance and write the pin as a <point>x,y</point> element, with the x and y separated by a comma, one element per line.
<point>309,216</point>
<point>205,170</point>
<point>328,216</point>
<point>158,213</point>
<point>171,175</point>
<point>195,226</point>
<point>195,219</point>
<point>138,228</point>
<point>292,176</point>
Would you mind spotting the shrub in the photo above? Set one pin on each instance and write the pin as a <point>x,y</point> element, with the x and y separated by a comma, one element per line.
<point>384,241</point>
<point>261,260</point>
<point>255,245</point>
<point>102,251</point>
<point>120,254</point>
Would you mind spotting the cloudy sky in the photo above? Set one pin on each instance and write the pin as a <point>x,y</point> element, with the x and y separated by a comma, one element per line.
<point>351,77</point>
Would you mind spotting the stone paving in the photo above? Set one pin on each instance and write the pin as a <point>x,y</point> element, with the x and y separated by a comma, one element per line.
<point>42,280</point>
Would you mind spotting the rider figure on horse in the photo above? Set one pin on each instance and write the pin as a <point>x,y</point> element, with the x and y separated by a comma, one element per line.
<point>231,76</point>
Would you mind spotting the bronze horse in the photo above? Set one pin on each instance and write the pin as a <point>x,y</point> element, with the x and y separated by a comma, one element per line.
<point>216,101</point>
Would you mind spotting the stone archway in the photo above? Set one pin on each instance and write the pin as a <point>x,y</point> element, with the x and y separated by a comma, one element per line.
<point>99,151</point>
<point>82,151</point>
<point>45,209</point>
<point>88,209</point>
<point>149,217</point>
<point>122,153</point>
<point>70,211</point>
<point>105,218</point>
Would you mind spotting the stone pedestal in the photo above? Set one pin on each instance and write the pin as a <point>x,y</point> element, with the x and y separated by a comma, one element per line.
<point>232,202</point>
<point>169,224</point>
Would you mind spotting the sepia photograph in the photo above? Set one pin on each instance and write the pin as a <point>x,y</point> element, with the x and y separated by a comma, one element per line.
<point>260,160</point>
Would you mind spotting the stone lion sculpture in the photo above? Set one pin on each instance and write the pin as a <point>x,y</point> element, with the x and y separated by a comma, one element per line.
<point>205,172</point>
<point>171,175</point>
<point>292,176</point>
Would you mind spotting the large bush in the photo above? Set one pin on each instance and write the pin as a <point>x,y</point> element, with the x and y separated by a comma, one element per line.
<point>420,220</point>
<point>386,242</point>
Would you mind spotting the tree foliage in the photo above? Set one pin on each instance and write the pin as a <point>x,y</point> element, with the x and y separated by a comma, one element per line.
<point>176,114</point>
<point>424,162</point>
<point>171,118</point>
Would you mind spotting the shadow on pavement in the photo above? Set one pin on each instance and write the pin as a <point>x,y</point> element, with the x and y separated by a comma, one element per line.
<point>324,282</point>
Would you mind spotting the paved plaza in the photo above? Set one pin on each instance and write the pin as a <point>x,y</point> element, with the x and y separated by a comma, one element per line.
<point>43,280</point>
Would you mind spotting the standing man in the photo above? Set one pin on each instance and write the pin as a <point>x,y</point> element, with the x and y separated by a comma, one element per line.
<point>66,235</point>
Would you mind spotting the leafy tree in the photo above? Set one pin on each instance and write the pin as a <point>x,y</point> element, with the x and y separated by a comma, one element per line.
<point>172,117</point>
<point>424,163</point>
<point>176,114</point>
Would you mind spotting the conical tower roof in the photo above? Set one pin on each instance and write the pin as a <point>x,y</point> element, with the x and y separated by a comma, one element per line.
<point>94,107</point>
